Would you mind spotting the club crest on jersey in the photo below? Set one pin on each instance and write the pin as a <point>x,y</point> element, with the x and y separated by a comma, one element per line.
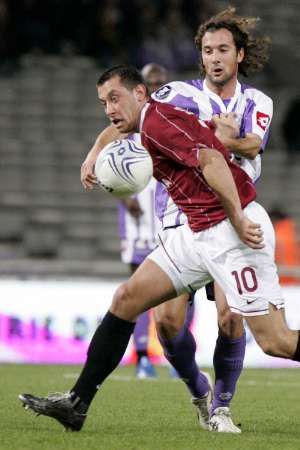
<point>163,92</point>
<point>262,120</point>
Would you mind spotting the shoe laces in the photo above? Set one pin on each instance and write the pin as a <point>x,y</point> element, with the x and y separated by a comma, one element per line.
<point>57,396</point>
<point>225,415</point>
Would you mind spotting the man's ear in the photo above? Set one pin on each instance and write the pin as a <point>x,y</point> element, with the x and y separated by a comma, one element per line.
<point>140,92</point>
<point>240,55</point>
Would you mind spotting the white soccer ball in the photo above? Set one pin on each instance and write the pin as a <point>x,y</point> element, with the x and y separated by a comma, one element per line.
<point>123,168</point>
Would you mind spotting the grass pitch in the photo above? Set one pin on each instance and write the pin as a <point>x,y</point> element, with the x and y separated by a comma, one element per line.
<point>130,414</point>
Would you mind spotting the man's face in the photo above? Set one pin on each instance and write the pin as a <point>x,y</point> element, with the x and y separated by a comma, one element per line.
<point>122,105</point>
<point>220,57</point>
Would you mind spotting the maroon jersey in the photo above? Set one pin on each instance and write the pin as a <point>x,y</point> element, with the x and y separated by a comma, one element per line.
<point>174,139</point>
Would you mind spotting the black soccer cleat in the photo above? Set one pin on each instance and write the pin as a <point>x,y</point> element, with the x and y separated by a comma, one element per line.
<point>67,410</point>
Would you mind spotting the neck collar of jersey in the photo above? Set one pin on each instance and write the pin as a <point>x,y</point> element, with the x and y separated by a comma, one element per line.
<point>218,99</point>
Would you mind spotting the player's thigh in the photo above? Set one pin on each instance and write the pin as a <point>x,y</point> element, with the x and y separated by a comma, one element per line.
<point>179,254</point>
<point>170,316</point>
<point>272,333</point>
<point>146,288</point>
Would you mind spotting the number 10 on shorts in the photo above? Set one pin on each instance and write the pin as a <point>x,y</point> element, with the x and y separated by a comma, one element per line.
<point>246,280</point>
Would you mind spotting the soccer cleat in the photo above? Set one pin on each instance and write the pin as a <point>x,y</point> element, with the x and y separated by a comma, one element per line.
<point>145,369</point>
<point>59,406</point>
<point>221,421</point>
<point>203,404</point>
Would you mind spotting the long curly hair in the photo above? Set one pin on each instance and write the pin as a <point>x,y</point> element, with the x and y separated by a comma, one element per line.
<point>256,48</point>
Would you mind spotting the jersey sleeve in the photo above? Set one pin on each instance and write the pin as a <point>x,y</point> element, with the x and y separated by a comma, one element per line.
<point>177,134</point>
<point>258,117</point>
<point>166,93</point>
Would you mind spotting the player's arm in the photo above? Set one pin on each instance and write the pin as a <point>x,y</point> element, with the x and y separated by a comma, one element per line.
<point>248,147</point>
<point>133,207</point>
<point>218,175</point>
<point>257,121</point>
<point>87,176</point>
<point>227,131</point>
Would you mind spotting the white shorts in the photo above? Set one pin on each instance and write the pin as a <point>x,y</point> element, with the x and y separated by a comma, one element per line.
<point>248,277</point>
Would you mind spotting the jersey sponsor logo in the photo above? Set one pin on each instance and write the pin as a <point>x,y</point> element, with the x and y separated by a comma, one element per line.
<point>163,92</point>
<point>262,120</point>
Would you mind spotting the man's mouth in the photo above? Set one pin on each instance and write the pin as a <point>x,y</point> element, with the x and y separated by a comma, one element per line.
<point>116,122</point>
<point>217,71</point>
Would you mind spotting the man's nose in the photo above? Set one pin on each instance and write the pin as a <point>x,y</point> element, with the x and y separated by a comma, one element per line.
<point>215,56</point>
<point>110,109</point>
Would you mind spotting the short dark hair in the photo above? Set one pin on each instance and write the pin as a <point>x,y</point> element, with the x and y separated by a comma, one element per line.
<point>256,48</point>
<point>129,76</point>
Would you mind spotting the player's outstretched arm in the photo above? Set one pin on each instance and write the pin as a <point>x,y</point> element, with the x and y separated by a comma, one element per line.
<point>87,176</point>
<point>220,179</point>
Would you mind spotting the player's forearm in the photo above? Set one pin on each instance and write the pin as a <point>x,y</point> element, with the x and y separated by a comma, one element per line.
<point>106,136</point>
<point>218,175</point>
<point>87,176</point>
<point>248,147</point>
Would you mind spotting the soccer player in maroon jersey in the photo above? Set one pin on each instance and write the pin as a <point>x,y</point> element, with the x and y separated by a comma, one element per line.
<point>229,238</point>
<point>227,48</point>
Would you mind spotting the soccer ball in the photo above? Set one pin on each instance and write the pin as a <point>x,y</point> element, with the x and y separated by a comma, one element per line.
<point>123,168</point>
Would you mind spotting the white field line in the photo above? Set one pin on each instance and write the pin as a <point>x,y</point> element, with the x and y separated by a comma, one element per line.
<point>128,378</point>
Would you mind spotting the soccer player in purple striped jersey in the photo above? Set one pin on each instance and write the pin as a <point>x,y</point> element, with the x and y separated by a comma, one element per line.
<point>223,43</point>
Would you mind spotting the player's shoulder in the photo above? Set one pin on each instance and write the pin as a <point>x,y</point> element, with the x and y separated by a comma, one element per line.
<point>255,94</point>
<point>186,88</point>
<point>169,110</point>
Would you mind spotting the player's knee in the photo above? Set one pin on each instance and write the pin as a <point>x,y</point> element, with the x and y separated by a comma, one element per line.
<point>230,324</point>
<point>122,301</point>
<point>167,326</point>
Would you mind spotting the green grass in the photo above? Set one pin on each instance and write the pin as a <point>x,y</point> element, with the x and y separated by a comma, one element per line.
<point>150,415</point>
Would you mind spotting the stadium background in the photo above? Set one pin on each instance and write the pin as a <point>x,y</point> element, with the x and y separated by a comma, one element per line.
<point>59,252</point>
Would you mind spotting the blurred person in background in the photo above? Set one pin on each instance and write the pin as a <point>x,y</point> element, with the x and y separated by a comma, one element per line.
<point>287,249</point>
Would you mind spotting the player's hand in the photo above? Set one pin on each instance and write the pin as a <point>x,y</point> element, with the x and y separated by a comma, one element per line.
<point>226,126</point>
<point>250,233</point>
<point>87,176</point>
<point>133,207</point>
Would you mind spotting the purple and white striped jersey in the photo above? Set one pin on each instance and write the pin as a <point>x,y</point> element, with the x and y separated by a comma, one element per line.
<point>138,236</point>
<point>253,110</point>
